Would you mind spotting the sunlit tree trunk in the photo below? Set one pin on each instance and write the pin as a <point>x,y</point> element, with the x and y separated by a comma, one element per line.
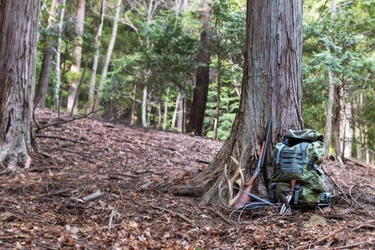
<point>271,87</point>
<point>358,134</point>
<point>165,115</point>
<point>90,102</point>
<point>346,129</point>
<point>108,56</point>
<point>180,114</point>
<point>133,118</point>
<point>18,33</point>
<point>331,90</point>
<point>56,93</point>
<point>198,107</point>
<point>328,127</point>
<point>175,113</point>
<point>144,107</point>
<point>79,20</point>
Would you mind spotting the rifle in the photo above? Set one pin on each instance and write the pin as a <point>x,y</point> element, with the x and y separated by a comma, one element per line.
<point>249,185</point>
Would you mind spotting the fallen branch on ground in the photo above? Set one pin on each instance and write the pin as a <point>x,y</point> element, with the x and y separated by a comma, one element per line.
<point>169,211</point>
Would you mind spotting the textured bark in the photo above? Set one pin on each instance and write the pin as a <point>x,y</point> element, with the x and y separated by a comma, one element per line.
<point>79,21</point>
<point>180,114</point>
<point>331,90</point>
<point>346,131</point>
<point>134,104</point>
<point>56,94</point>
<point>18,36</point>
<point>328,127</point>
<point>108,56</point>
<point>272,86</point>
<point>336,125</point>
<point>144,107</point>
<point>90,102</point>
<point>198,106</point>
<point>41,92</point>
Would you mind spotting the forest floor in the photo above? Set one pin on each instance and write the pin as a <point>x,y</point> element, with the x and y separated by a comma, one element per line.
<point>48,206</point>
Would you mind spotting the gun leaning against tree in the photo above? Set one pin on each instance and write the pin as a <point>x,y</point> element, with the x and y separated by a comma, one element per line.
<point>249,185</point>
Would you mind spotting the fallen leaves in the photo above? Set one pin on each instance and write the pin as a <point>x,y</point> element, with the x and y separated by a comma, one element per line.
<point>132,168</point>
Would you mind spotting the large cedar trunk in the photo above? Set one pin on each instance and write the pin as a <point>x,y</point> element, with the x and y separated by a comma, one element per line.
<point>198,107</point>
<point>272,86</point>
<point>18,32</point>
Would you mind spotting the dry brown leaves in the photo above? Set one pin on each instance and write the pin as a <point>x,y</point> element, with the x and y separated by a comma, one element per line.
<point>133,168</point>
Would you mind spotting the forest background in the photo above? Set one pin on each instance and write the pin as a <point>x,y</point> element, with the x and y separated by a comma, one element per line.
<point>137,62</point>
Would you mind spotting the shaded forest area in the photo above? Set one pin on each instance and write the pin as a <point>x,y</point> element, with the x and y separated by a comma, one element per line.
<point>44,207</point>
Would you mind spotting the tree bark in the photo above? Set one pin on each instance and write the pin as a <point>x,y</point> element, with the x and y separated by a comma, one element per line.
<point>56,94</point>
<point>79,21</point>
<point>90,102</point>
<point>144,107</point>
<point>175,113</point>
<point>331,93</point>
<point>134,117</point>
<point>328,127</point>
<point>108,56</point>
<point>18,32</point>
<point>336,125</point>
<point>346,129</point>
<point>165,115</point>
<point>271,86</point>
<point>198,106</point>
<point>41,92</point>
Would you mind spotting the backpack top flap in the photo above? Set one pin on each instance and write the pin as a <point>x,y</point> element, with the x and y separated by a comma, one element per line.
<point>306,135</point>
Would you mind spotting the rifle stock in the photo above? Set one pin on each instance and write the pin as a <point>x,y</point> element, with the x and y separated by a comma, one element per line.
<point>249,185</point>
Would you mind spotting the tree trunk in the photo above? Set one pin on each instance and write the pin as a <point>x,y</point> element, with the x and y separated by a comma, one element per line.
<point>328,127</point>
<point>198,106</point>
<point>346,129</point>
<point>336,125</point>
<point>108,56</point>
<point>180,114</point>
<point>272,72</point>
<point>79,21</point>
<point>58,57</point>
<point>218,93</point>
<point>175,113</point>
<point>144,107</point>
<point>18,32</point>
<point>331,90</point>
<point>165,115</point>
<point>90,102</point>
<point>134,103</point>
<point>41,92</point>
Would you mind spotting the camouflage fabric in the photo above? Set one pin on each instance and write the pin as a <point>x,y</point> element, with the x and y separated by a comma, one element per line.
<point>298,158</point>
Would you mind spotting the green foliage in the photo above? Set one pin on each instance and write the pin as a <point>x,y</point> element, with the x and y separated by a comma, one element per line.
<point>334,44</point>
<point>228,40</point>
<point>339,43</point>
<point>159,52</point>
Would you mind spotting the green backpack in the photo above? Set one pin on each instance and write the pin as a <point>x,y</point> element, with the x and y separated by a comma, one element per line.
<point>298,158</point>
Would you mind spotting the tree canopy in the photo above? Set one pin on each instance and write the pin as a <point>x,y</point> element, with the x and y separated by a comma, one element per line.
<point>157,44</point>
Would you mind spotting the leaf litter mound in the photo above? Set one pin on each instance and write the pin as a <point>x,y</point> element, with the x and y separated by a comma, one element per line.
<point>97,185</point>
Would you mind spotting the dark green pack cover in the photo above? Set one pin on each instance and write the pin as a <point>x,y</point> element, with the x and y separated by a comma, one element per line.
<point>298,158</point>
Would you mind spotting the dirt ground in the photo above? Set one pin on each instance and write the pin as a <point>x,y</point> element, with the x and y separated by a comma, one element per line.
<point>128,171</point>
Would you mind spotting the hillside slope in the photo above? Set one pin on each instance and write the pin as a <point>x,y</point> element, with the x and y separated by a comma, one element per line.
<point>42,207</point>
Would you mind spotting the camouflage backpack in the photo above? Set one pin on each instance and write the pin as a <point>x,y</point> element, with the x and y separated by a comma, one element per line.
<point>298,158</point>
